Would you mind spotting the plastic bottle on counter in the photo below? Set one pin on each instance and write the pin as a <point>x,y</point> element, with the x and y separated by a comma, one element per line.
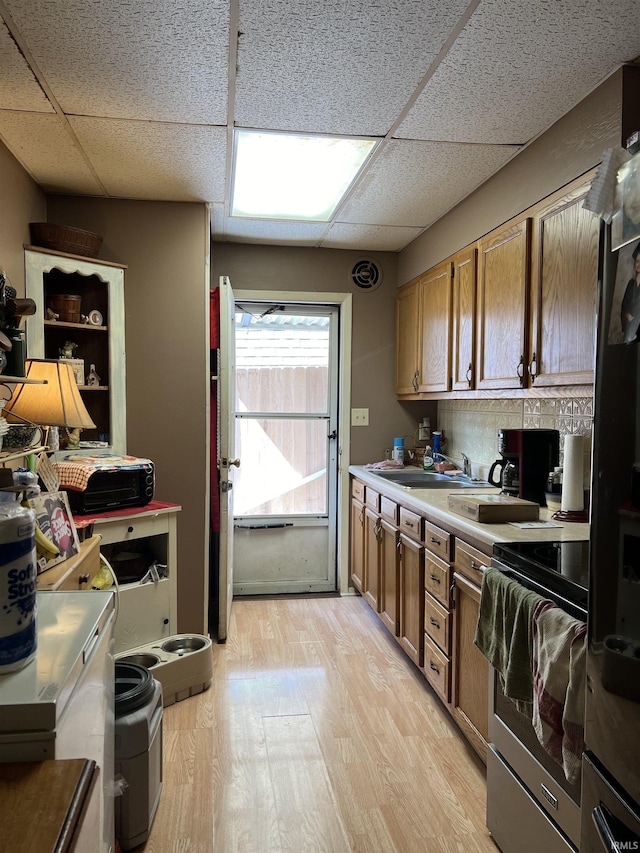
<point>398,450</point>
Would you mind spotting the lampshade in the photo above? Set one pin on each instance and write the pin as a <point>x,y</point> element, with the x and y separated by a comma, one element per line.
<point>56,403</point>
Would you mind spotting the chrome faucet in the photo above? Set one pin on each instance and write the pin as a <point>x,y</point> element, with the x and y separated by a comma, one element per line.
<point>466,462</point>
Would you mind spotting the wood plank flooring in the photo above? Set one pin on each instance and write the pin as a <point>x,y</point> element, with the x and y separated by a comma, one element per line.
<point>317,734</point>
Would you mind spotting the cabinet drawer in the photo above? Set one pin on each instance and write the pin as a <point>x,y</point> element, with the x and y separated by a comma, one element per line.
<point>436,622</point>
<point>410,523</point>
<point>144,614</point>
<point>372,499</point>
<point>437,668</point>
<point>437,540</point>
<point>389,509</point>
<point>134,527</point>
<point>357,490</point>
<point>471,562</point>
<point>437,578</point>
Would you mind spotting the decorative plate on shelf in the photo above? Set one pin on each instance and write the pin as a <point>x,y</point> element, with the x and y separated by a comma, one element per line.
<point>95,317</point>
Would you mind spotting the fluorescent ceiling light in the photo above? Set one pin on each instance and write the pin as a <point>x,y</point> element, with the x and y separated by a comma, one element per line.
<point>285,176</point>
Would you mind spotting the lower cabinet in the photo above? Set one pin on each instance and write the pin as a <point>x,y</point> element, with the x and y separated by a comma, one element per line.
<point>470,688</point>
<point>424,583</point>
<point>389,576</point>
<point>411,555</point>
<point>357,543</point>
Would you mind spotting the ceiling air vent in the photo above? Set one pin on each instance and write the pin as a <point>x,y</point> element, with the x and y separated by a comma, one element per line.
<point>366,274</point>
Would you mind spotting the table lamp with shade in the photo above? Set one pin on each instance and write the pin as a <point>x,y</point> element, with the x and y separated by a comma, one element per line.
<point>53,399</point>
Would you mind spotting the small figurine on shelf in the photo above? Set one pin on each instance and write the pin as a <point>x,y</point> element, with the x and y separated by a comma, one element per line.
<point>51,314</point>
<point>92,376</point>
<point>68,349</point>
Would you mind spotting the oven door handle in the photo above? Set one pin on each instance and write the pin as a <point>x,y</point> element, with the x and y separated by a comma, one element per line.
<point>615,836</point>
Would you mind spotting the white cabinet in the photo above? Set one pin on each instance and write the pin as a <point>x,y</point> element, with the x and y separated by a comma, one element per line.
<point>146,611</point>
<point>101,286</point>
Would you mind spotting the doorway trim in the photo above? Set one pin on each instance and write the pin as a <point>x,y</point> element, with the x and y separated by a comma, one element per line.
<point>344,303</point>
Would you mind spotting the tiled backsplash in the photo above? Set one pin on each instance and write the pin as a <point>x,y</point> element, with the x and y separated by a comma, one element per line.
<point>471,426</point>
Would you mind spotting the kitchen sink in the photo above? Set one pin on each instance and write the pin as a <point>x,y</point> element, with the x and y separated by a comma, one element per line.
<point>417,479</point>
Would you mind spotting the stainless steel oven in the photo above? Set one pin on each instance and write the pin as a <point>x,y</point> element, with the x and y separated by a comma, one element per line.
<point>530,804</point>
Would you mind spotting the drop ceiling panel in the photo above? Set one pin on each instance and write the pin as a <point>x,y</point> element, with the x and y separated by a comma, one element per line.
<point>138,59</point>
<point>19,89</point>
<point>164,162</point>
<point>335,67</point>
<point>414,183</point>
<point>518,66</point>
<point>47,151</point>
<point>278,233</point>
<point>345,235</point>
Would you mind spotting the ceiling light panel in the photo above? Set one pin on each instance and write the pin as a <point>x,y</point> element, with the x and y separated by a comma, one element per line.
<point>157,60</point>
<point>287,176</point>
<point>335,67</point>
<point>163,162</point>
<point>414,183</point>
<point>518,66</point>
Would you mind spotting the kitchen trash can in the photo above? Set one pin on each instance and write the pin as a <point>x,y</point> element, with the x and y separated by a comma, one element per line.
<point>138,752</point>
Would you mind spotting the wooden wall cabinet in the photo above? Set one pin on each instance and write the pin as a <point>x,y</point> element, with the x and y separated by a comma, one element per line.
<point>564,275</point>
<point>515,311</point>
<point>434,339</point>
<point>101,286</point>
<point>407,339</point>
<point>463,339</point>
<point>503,288</point>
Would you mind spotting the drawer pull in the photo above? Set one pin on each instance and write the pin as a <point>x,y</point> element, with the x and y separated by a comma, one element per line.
<point>435,541</point>
<point>434,667</point>
<point>434,578</point>
<point>434,622</point>
<point>83,579</point>
<point>409,524</point>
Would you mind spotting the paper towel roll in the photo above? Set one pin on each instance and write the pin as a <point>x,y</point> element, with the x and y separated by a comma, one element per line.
<point>573,474</point>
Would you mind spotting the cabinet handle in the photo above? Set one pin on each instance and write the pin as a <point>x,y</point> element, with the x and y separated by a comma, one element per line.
<point>129,529</point>
<point>434,578</point>
<point>520,370</point>
<point>434,622</point>
<point>533,368</point>
<point>434,540</point>
<point>434,667</point>
<point>475,565</point>
<point>409,524</point>
<point>377,530</point>
<point>83,579</point>
<point>470,374</point>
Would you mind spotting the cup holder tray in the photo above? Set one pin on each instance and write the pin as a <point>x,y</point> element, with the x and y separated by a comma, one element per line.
<point>182,663</point>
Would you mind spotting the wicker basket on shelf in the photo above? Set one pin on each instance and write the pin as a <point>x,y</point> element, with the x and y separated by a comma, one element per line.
<point>64,238</point>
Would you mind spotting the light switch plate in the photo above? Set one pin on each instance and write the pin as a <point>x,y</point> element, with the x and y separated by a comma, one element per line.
<point>359,417</point>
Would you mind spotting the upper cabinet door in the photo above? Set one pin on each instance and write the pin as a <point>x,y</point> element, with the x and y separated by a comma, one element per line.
<point>407,320</point>
<point>464,315</point>
<point>564,274</point>
<point>503,266</point>
<point>435,328</point>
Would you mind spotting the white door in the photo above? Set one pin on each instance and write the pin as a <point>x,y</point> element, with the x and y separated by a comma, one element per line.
<point>285,500</point>
<point>227,461</point>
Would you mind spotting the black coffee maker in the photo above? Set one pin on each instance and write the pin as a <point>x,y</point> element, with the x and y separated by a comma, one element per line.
<point>527,457</point>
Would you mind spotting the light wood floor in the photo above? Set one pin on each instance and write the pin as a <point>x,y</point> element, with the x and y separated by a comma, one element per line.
<point>317,734</point>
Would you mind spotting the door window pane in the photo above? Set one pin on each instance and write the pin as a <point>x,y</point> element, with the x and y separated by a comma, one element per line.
<point>282,363</point>
<point>284,467</point>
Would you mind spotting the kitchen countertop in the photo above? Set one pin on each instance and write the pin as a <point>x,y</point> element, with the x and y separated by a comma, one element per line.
<point>434,504</point>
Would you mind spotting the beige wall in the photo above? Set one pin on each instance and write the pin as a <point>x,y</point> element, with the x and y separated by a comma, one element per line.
<point>251,267</point>
<point>165,246</point>
<point>22,202</point>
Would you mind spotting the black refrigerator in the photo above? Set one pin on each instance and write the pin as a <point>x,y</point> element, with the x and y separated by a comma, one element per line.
<point>611,768</point>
